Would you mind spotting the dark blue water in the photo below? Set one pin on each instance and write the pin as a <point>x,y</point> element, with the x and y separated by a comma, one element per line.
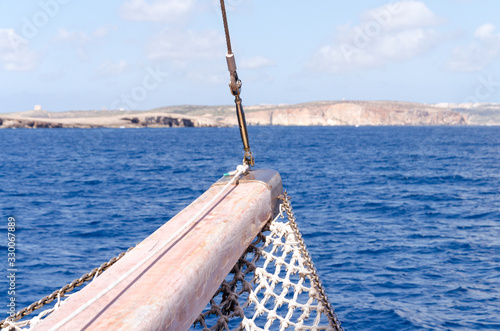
<point>403,222</point>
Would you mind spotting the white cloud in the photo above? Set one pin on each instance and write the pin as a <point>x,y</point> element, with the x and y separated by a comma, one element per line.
<point>110,68</point>
<point>391,33</point>
<point>212,77</point>
<point>157,10</point>
<point>103,31</point>
<point>180,45</point>
<point>194,55</point>
<point>82,39</point>
<point>15,55</point>
<point>479,54</point>
<point>485,31</point>
<point>64,35</point>
<point>401,15</point>
<point>256,62</point>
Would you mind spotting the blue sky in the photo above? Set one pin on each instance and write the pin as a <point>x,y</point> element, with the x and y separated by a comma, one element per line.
<point>142,54</point>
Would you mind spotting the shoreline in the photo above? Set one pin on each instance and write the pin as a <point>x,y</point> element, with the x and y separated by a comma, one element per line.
<point>325,113</point>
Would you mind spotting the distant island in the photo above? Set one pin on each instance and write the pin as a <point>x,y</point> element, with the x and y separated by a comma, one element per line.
<point>322,113</point>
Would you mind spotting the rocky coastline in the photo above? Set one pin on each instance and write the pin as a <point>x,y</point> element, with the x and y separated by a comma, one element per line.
<point>138,121</point>
<point>327,113</point>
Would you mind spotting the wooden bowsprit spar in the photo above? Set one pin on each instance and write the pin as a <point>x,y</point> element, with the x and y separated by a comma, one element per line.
<point>165,282</point>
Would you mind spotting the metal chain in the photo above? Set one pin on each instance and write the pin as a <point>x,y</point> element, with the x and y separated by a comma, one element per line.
<point>61,292</point>
<point>332,317</point>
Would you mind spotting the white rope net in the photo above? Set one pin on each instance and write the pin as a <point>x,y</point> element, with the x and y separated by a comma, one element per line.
<point>283,282</point>
<point>286,293</point>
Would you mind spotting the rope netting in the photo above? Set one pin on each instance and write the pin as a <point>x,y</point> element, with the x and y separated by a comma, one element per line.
<point>273,286</point>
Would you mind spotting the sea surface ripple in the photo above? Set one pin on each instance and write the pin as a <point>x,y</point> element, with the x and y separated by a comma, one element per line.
<point>403,223</point>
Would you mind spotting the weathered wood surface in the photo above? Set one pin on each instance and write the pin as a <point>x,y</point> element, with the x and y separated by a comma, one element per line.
<point>170,290</point>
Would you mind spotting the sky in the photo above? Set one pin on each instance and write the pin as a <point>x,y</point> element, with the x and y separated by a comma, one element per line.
<point>143,54</point>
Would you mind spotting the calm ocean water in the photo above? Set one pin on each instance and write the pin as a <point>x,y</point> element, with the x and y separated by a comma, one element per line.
<point>403,223</point>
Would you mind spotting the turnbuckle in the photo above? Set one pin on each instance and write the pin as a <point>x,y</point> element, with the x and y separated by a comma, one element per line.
<point>235,87</point>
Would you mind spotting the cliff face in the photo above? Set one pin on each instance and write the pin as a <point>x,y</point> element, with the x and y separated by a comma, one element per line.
<point>357,113</point>
<point>8,123</point>
<point>172,121</point>
<point>140,120</point>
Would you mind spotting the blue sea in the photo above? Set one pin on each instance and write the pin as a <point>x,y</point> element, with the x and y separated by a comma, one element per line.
<point>403,223</point>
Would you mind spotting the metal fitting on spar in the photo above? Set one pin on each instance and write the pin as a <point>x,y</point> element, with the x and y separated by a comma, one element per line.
<point>235,83</point>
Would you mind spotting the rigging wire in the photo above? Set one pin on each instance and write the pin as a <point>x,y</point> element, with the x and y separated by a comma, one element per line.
<point>226,27</point>
<point>235,87</point>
